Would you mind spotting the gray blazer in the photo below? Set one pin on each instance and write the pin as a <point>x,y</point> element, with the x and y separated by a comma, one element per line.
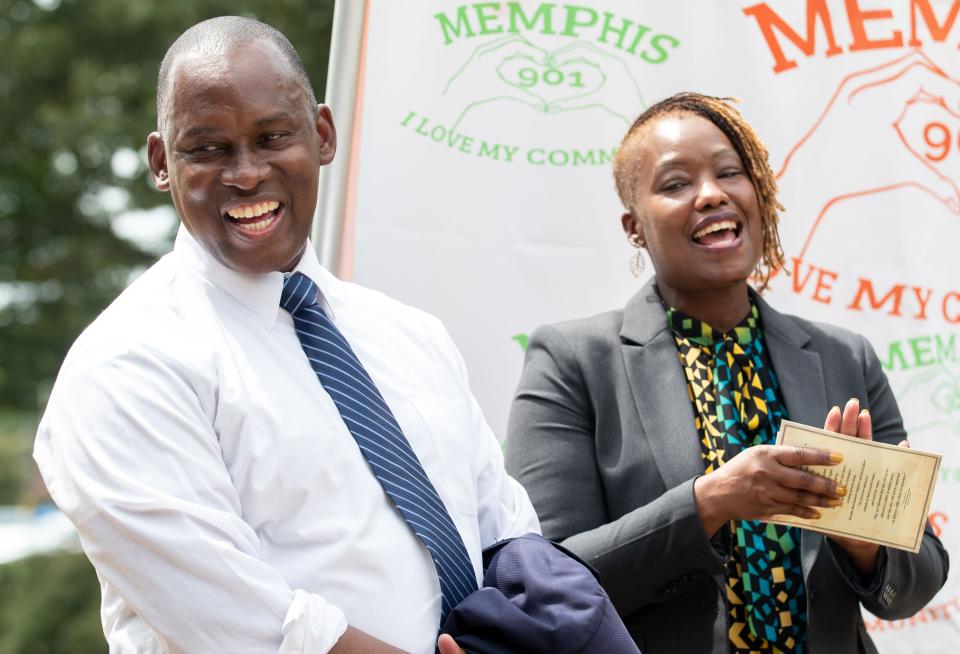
<point>602,435</point>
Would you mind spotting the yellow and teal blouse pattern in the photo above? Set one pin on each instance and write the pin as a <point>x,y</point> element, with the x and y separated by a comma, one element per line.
<point>737,404</point>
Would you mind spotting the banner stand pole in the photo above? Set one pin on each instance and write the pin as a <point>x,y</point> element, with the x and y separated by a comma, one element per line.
<point>341,96</point>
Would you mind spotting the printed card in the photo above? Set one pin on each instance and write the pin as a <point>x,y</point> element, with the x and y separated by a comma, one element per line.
<point>889,488</point>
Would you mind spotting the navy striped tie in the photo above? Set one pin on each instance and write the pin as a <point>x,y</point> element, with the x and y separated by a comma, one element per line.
<point>379,437</point>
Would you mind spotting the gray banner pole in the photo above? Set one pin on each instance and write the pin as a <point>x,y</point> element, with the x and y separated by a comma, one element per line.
<point>340,95</point>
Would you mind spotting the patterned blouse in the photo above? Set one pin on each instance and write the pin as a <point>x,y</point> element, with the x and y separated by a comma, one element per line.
<point>737,403</point>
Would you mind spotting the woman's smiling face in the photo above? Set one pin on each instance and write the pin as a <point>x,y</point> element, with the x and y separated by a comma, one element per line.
<point>695,206</point>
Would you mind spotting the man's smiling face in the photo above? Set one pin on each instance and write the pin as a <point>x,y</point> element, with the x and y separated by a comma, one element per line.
<point>240,153</point>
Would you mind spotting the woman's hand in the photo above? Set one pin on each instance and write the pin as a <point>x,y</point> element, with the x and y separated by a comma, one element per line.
<point>854,422</point>
<point>764,481</point>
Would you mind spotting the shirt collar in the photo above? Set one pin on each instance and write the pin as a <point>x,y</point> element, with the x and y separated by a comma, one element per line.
<point>698,331</point>
<point>258,293</point>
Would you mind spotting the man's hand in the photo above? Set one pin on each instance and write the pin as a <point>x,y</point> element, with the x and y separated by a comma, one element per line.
<point>354,641</point>
<point>447,645</point>
<point>766,480</point>
<point>854,422</point>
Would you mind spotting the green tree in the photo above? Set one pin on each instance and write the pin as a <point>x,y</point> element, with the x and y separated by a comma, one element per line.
<point>77,99</point>
<point>77,102</point>
<point>50,605</point>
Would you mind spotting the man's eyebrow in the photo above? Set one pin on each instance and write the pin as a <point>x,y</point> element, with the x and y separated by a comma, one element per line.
<point>272,118</point>
<point>194,132</point>
<point>199,131</point>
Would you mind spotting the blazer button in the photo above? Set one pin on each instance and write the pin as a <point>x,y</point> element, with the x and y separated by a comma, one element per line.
<point>812,595</point>
<point>888,594</point>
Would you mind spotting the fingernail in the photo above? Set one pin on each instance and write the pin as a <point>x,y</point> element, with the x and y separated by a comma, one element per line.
<point>835,408</point>
<point>834,503</point>
<point>836,457</point>
<point>813,515</point>
<point>841,490</point>
<point>864,412</point>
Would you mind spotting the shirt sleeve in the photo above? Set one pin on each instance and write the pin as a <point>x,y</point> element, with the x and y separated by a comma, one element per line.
<point>128,451</point>
<point>505,510</point>
<point>503,506</point>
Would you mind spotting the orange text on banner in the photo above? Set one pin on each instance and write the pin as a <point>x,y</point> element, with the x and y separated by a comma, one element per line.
<point>774,27</point>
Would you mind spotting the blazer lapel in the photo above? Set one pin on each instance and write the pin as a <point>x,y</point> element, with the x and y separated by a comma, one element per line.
<point>659,388</point>
<point>798,368</point>
<point>800,373</point>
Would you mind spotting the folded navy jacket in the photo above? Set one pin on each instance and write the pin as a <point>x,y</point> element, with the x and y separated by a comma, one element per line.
<point>537,597</point>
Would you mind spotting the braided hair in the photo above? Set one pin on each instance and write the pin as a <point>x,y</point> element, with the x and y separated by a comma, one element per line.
<point>745,141</point>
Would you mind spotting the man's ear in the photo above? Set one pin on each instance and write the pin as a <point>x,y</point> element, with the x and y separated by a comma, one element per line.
<point>327,133</point>
<point>633,229</point>
<point>157,159</point>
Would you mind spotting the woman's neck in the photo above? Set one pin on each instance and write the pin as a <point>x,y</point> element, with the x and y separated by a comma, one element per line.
<point>722,309</point>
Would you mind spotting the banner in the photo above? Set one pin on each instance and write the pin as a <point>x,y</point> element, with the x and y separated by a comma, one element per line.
<point>481,172</point>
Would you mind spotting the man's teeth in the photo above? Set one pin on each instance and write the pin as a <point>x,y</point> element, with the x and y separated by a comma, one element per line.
<point>716,227</point>
<point>253,210</point>
<point>259,226</point>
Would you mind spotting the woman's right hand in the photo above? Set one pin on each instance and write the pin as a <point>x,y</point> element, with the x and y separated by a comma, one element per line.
<point>767,480</point>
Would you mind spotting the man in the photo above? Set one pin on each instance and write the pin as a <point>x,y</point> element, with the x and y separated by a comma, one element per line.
<point>229,501</point>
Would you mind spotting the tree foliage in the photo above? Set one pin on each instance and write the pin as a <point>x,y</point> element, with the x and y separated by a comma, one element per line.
<point>77,102</point>
<point>50,605</point>
<point>76,95</point>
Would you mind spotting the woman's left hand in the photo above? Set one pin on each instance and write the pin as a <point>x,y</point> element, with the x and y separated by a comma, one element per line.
<point>854,422</point>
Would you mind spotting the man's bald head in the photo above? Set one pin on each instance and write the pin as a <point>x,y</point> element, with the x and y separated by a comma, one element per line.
<point>215,37</point>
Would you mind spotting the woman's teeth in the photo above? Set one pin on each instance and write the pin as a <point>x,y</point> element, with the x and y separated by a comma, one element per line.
<point>716,227</point>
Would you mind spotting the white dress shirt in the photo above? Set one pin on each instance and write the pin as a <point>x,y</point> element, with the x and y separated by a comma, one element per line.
<point>218,492</point>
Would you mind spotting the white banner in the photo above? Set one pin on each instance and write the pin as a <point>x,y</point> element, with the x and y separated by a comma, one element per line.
<point>483,189</point>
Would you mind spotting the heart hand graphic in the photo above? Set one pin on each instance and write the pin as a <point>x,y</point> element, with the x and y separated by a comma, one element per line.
<point>550,81</point>
<point>877,115</point>
<point>577,76</point>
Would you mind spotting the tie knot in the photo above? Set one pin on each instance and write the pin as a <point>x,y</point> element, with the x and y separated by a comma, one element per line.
<point>299,292</point>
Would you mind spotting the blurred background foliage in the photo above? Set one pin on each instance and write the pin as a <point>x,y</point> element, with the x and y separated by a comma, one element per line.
<point>79,219</point>
<point>50,605</point>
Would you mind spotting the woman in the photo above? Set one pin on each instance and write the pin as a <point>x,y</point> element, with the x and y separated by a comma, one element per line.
<point>644,436</point>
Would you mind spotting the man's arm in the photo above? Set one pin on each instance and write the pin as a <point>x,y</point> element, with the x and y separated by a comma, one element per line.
<point>354,641</point>
<point>504,509</point>
<point>129,453</point>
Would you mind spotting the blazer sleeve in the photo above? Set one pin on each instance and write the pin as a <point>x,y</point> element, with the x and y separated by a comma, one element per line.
<point>904,582</point>
<point>551,449</point>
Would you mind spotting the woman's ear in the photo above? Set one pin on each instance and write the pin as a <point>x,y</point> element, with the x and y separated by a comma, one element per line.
<point>633,228</point>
